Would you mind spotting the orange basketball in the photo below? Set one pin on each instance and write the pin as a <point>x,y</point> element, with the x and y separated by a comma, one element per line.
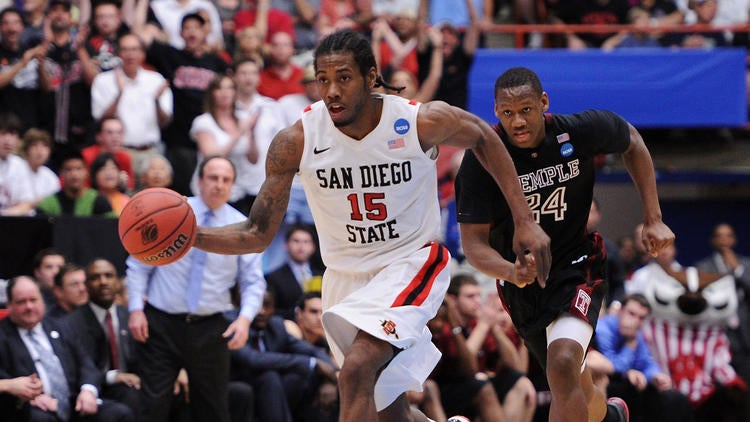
<point>157,226</point>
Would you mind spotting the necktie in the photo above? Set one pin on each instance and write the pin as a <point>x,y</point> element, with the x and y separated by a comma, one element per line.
<point>114,362</point>
<point>56,376</point>
<point>196,271</point>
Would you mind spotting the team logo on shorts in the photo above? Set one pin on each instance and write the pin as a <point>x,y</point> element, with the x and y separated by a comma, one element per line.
<point>583,300</point>
<point>401,126</point>
<point>389,328</point>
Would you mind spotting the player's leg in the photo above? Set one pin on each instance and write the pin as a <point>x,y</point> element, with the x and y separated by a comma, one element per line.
<point>573,393</point>
<point>363,362</point>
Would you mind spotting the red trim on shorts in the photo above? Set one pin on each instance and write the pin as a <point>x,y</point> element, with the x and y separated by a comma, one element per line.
<point>419,288</point>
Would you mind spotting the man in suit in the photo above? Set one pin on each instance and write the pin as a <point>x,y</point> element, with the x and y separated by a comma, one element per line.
<point>297,276</point>
<point>30,345</point>
<point>284,371</point>
<point>104,336</point>
<point>70,290</point>
<point>725,260</point>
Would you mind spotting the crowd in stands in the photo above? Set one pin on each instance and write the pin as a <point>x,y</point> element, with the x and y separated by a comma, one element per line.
<point>100,99</point>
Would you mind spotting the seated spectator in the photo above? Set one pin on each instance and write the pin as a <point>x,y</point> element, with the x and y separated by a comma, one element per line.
<point>70,290</point>
<point>705,12</point>
<point>15,188</point>
<point>635,376</point>
<point>37,147</point>
<point>156,174</point>
<point>308,313</point>
<point>639,19</point>
<point>283,370</point>
<point>298,275</point>
<point>75,198</point>
<point>109,139</point>
<point>602,12</point>
<point>109,180</point>
<point>47,263</point>
<point>105,337</point>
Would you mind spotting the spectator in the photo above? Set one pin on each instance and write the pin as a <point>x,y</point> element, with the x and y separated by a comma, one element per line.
<point>298,275</point>
<point>726,260</point>
<point>15,392</point>
<point>641,277</point>
<point>15,187</point>
<point>109,136</point>
<point>292,105</point>
<point>640,20</point>
<point>615,269</point>
<point>33,16</point>
<point>629,254</point>
<point>107,179</point>
<point>67,74</point>
<point>267,21</point>
<point>156,174</point>
<point>19,80</point>
<point>34,344</point>
<point>188,330</point>
<point>169,15</point>
<point>37,148</point>
<point>335,15</point>
<point>251,105</point>
<point>70,290</point>
<point>121,93</point>
<point>589,12</point>
<point>283,370</point>
<point>189,72</point>
<point>249,45</point>
<point>497,356</point>
<point>104,336</point>
<point>106,28</point>
<point>303,14</point>
<point>395,42</point>
<point>281,76</point>
<point>425,91</point>
<point>705,12</point>
<point>47,263</point>
<point>220,131</point>
<point>75,198</point>
<point>635,376</point>
<point>307,315</point>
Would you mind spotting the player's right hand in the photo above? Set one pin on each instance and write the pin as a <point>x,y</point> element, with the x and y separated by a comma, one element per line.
<point>530,238</point>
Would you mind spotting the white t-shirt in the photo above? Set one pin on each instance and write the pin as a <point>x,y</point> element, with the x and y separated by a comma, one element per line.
<point>170,13</point>
<point>44,182</point>
<point>15,186</point>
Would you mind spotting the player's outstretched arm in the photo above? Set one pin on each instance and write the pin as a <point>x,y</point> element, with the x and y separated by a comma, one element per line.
<point>267,212</point>
<point>637,159</point>
<point>440,123</point>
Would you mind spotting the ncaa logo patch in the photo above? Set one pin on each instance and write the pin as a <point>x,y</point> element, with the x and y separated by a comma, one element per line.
<point>582,303</point>
<point>401,126</point>
<point>566,150</point>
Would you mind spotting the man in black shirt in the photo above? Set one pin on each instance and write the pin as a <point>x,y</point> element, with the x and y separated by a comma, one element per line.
<point>554,158</point>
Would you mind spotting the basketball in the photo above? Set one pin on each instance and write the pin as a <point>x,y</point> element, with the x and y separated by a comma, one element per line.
<point>157,226</point>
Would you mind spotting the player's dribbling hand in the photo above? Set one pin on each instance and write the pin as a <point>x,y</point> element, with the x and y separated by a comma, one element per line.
<point>656,236</point>
<point>530,238</point>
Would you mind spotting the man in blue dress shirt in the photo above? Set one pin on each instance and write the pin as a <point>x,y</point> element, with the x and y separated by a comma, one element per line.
<point>176,309</point>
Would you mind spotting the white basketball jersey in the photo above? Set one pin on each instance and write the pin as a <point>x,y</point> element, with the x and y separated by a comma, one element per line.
<point>374,199</point>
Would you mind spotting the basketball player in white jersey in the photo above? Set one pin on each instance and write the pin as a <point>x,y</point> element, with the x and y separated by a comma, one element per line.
<point>367,162</point>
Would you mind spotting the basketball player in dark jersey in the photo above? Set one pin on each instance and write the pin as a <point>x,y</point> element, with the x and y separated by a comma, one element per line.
<point>553,155</point>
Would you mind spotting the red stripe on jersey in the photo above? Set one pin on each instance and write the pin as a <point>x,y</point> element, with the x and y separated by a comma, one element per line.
<point>413,102</point>
<point>419,287</point>
<point>308,108</point>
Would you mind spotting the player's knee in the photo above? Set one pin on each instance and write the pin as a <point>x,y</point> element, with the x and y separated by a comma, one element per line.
<point>564,358</point>
<point>365,360</point>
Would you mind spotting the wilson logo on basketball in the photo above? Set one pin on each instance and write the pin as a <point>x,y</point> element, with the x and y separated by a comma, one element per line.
<point>149,233</point>
<point>170,250</point>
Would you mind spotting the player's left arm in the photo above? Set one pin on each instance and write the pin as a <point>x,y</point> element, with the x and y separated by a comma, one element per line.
<point>439,123</point>
<point>638,162</point>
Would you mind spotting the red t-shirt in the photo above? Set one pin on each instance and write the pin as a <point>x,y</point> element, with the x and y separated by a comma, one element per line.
<point>122,159</point>
<point>277,21</point>
<point>272,85</point>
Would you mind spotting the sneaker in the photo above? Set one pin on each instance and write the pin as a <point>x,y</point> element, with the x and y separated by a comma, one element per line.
<point>458,418</point>
<point>620,408</point>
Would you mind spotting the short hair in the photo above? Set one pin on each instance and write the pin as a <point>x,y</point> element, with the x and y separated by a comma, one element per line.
<point>205,161</point>
<point>100,161</point>
<point>637,298</point>
<point>65,269</point>
<point>299,227</point>
<point>10,123</point>
<point>145,164</point>
<point>12,284</point>
<point>518,76</point>
<point>244,60</point>
<point>195,16</point>
<point>39,256</point>
<point>302,301</point>
<point>10,9</point>
<point>35,136</point>
<point>100,123</point>
<point>460,280</point>
<point>134,35</point>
